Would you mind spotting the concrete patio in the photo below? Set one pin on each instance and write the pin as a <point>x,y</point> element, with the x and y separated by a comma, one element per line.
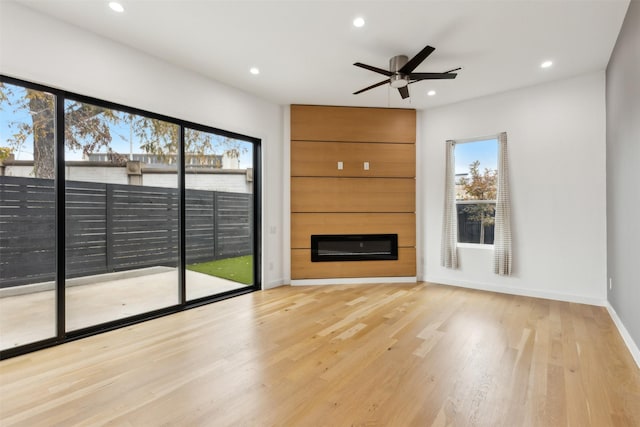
<point>27,313</point>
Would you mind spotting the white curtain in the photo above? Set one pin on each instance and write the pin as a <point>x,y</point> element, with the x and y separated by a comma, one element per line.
<point>448,254</point>
<point>502,255</point>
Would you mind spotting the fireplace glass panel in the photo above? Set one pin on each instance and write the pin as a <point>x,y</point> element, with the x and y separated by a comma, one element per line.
<point>354,247</point>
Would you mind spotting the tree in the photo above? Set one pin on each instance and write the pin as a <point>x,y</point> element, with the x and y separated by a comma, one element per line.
<point>480,186</point>
<point>88,128</point>
<point>5,153</point>
<point>161,138</point>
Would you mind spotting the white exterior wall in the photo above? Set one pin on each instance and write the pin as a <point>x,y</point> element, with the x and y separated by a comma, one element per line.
<point>556,135</point>
<point>26,171</point>
<point>234,183</point>
<point>44,50</point>
<point>105,174</point>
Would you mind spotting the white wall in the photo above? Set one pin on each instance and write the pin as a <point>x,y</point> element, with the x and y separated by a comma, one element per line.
<point>556,138</point>
<point>44,50</point>
<point>623,171</point>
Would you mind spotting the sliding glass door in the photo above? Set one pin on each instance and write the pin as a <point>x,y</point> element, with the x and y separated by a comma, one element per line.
<point>111,215</point>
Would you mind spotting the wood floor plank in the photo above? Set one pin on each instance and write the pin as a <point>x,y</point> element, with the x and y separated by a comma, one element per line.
<point>386,354</point>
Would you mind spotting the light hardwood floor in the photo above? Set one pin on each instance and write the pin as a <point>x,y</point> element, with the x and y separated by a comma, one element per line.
<point>388,355</point>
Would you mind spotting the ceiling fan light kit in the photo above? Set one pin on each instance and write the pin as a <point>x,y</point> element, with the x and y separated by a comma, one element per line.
<point>401,73</point>
<point>398,81</point>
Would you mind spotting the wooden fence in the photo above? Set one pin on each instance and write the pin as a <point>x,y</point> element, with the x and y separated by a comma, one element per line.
<point>113,227</point>
<point>469,229</point>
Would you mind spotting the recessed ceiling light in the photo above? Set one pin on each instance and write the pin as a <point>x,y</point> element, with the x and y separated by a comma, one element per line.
<point>116,7</point>
<point>546,64</point>
<point>431,92</point>
<point>254,70</point>
<point>358,22</point>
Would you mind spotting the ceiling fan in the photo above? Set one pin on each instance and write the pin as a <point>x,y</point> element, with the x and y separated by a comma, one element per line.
<point>400,72</point>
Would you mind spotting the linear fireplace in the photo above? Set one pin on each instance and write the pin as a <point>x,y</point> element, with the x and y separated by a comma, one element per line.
<point>354,247</point>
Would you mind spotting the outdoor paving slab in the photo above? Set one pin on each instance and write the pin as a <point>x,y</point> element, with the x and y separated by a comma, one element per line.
<point>31,317</point>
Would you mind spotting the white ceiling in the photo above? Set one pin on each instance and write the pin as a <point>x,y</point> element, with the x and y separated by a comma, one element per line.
<point>305,49</point>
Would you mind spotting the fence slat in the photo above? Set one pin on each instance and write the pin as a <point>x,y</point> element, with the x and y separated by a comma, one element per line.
<point>114,227</point>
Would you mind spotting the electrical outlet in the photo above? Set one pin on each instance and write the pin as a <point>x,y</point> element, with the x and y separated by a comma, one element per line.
<point>366,166</point>
<point>340,166</point>
<point>610,283</point>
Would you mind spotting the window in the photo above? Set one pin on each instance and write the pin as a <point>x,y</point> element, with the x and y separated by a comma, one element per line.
<point>476,189</point>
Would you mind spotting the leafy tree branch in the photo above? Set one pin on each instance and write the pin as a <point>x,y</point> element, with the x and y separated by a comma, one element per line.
<point>479,185</point>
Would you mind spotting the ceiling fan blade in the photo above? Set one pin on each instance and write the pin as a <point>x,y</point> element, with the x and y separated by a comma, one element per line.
<point>451,71</point>
<point>372,86</point>
<point>427,76</point>
<point>404,92</point>
<point>417,60</point>
<point>374,69</point>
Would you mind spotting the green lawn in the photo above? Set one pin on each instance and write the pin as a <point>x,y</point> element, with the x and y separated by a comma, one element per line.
<point>238,269</point>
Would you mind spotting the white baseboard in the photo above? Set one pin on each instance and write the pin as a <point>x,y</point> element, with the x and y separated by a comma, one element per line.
<point>557,296</point>
<point>631,344</point>
<point>354,281</point>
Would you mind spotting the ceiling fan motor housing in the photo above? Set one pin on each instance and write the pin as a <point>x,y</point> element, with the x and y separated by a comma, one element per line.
<point>397,62</point>
<point>400,72</point>
<point>398,79</point>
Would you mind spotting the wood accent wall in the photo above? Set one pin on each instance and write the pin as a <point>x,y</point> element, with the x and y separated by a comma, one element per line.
<point>353,200</point>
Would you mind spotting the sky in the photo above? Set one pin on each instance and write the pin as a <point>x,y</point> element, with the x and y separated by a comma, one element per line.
<point>486,151</point>
<point>120,135</point>
<point>7,115</point>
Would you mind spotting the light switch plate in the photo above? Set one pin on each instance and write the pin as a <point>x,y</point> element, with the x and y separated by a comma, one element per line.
<point>340,166</point>
<point>366,166</point>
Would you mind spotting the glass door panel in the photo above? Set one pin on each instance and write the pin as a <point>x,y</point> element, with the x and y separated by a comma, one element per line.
<point>122,210</point>
<point>27,216</point>
<point>219,214</point>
